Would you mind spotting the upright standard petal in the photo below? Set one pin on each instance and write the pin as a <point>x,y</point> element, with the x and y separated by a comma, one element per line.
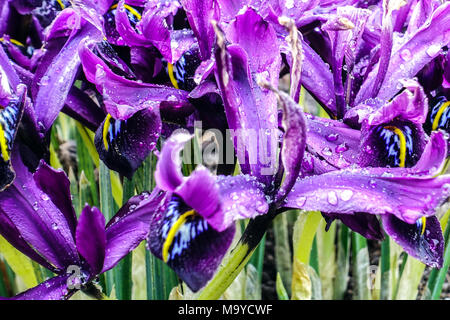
<point>200,14</point>
<point>219,200</point>
<point>251,111</point>
<point>407,60</point>
<point>91,238</point>
<point>59,77</point>
<point>56,185</point>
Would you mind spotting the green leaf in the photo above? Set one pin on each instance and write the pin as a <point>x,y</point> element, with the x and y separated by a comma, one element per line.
<point>252,283</point>
<point>327,258</point>
<point>107,206</point>
<point>304,231</point>
<point>283,255</point>
<point>281,290</point>
<point>442,273</point>
<point>343,262</point>
<point>360,267</point>
<point>19,263</point>
<point>122,272</point>
<point>385,261</point>
<point>86,165</point>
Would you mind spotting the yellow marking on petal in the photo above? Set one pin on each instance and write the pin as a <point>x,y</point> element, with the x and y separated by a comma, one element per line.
<point>401,136</point>
<point>441,110</point>
<point>171,76</point>
<point>105,130</point>
<point>61,4</point>
<point>133,11</point>
<point>173,232</point>
<point>13,41</point>
<point>424,223</point>
<point>3,144</point>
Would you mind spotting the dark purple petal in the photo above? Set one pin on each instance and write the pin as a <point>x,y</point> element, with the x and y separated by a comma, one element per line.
<point>411,105</point>
<point>397,191</point>
<point>199,14</point>
<point>83,109</point>
<point>333,141</point>
<point>91,238</point>
<point>365,224</point>
<point>55,84</point>
<point>219,200</point>
<point>195,250</point>
<point>345,32</point>
<point>386,43</point>
<point>168,169</point>
<point>38,219</point>
<point>407,60</point>
<point>251,111</point>
<point>124,144</point>
<point>123,97</point>
<point>317,78</point>
<point>53,289</point>
<point>294,142</point>
<point>423,242</point>
<point>130,226</point>
<point>10,118</point>
<point>57,186</point>
<point>13,236</point>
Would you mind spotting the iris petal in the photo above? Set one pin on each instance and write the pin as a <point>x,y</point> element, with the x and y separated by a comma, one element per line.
<point>427,246</point>
<point>196,249</point>
<point>124,144</point>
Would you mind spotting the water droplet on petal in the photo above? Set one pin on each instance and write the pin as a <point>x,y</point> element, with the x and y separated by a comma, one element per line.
<point>405,54</point>
<point>300,201</point>
<point>346,195</point>
<point>433,50</point>
<point>332,137</point>
<point>342,148</point>
<point>327,151</point>
<point>332,198</point>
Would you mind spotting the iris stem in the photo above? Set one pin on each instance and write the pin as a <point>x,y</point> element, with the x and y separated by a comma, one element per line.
<point>94,292</point>
<point>238,258</point>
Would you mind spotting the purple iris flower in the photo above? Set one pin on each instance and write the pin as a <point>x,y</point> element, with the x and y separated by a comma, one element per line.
<point>37,217</point>
<point>194,228</point>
